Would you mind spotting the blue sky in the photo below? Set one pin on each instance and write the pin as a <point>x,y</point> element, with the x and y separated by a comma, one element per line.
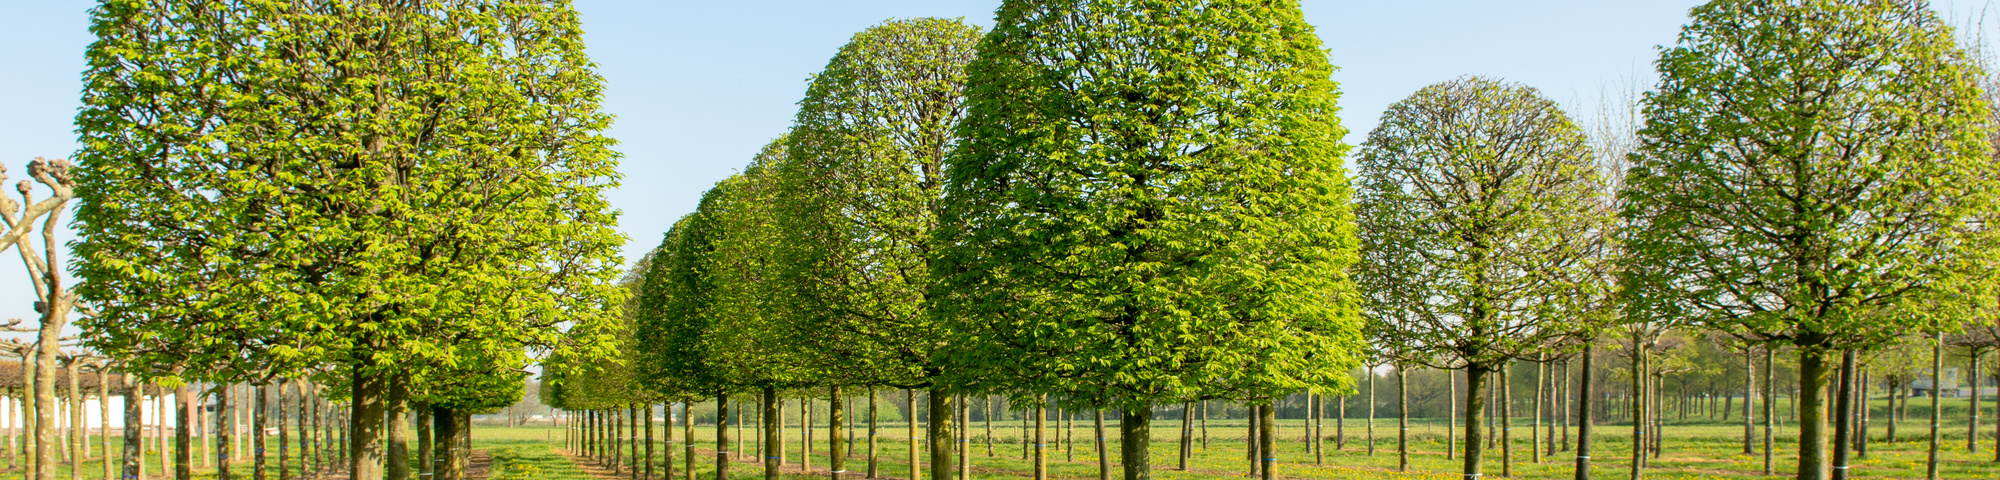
<point>699,86</point>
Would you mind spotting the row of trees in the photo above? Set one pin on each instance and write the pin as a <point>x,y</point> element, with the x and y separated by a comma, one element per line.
<point>1108,205</point>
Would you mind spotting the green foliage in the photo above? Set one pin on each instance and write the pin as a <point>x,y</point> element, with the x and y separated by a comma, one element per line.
<point>1479,206</point>
<point>278,188</point>
<point>1811,172</point>
<point>859,195</point>
<point>1147,205</point>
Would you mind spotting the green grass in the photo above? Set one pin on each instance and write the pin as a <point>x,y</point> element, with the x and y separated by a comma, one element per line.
<point>1693,449</point>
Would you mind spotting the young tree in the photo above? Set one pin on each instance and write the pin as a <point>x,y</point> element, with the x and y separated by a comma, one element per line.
<point>1812,172</point>
<point>1147,206</point>
<point>856,202</point>
<point>1478,204</point>
<point>387,183</point>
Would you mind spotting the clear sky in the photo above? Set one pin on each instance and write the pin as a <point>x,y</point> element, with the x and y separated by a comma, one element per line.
<point>699,86</point>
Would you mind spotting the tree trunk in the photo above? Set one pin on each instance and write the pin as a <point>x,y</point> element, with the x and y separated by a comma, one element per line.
<point>1103,455</point>
<point>964,429</point>
<point>1451,415</point>
<point>1402,419</point>
<point>721,437</point>
<point>1135,430</point>
<point>1187,433</point>
<point>916,452</point>
<point>773,444</point>
<point>1371,411</point>
<point>78,436</point>
<point>1749,392</point>
<point>257,418</point>
<point>632,418</point>
<point>1506,412</point>
<point>1813,373</point>
<point>222,433</point>
<point>940,433</point>
<point>1475,404</point>
<point>135,409</point>
<point>183,434</point>
<point>1937,384</point>
<point>1638,408</point>
<point>1861,395</point>
<point>364,431</point>
<point>871,433</point>
<point>1972,422</point>
<point>989,426</point>
<point>1041,442</point>
<point>1251,448</point>
<point>444,426</point>
<point>426,440</point>
<point>1584,420</point>
<point>1267,439</point>
<point>687,434</point>
<point>1318,436</point>
<point>396,408</point>
<point>1340,425</point>
<point>1770,408</point>
<point>1843,420</point>
<point>836,452</point>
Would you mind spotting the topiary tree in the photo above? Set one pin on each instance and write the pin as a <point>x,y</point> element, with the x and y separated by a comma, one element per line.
<point>856,201</point>
<point>372,188</point>
<point>1479,206</point>
<point>1147,205</point>
<point>1816,173</point>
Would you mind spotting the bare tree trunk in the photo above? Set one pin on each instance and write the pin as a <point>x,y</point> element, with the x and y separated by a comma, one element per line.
<point>79,436</point>
<point>104,422</point>
<point>1843,419</point>
<point>989,426</point>
<point>773,444</point>
<point>1475,404</point>
<point>1584,420</point>
<point>1103,453</point>
<point>687,433</point>
<point>135,408</point>
<point>1506,411</point>
<point>363,447</point>
<point>964,429</point>
<point>397,414</point>
<point>1187,434</point>
<point>1135,429</point>
<point>1749,392</point>
<point>256,431</point>
<point>183,433</point>
<point>1638,408</point>
<point>940,433</point>
<point>916,452</point>
<point>1972,423</point>
<point>1267,439</point>
<point>836,452</point>
<point>721,437</point>
<point>871,433</point>
<point>1770,407</point>
<point>1937,383</point>
<point>1041,442</point>
<point>1402,420</point>
<point>1451,414</point>
<point>222,433</point>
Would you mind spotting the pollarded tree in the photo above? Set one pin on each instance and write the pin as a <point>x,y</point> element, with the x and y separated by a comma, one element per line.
<point>1811,172</point>
<point>1479,206</point>
<point>1147,205</point>
<point>858,199</point>
<point>384,185</point>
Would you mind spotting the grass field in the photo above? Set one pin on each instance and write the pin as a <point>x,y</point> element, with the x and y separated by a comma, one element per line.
<point>1694,449</point>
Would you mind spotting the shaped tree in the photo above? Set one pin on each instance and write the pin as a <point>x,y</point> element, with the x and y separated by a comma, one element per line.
<point>1147,205</point>
<point>1812,172</point>
<point>858,199</point>
<point>374,188</point>
<point>1479,207</point>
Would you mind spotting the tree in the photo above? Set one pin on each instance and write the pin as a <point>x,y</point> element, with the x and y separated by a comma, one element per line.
<point>1147,205</point>
<point>1813,172</point>
<point>1478,206</point>
<point>858,198</point>
<point>389,189</point>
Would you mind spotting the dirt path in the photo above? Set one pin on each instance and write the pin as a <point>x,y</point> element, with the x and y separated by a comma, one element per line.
<point>482,465</point>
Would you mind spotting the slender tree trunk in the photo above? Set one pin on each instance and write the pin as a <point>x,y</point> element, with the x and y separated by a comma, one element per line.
<point>1187,434</point>
<point>836,452</point>
<point>1972,423</point>
<point>1318,439</point>
<point>1506,412</point>
<point>135,409</point>
<point>1252,450</point>
<point>916,452</point>
<point>1843,427</point>
<point>964,429</point>
<point>1402,419</point>
<point>1937,384</point>
<point>1475,404</point>
<point>1340,425</point>
<point>1371,412</point>
<point>1451,414</point>
<point>79,437</point>
<point>721,437</point>
<point>1135,430</point>
<point>1565,405</point>
<point>257,418</point>
<point>1861,395</point>
<point>687,433</point>
<point>632,420</point>
<point>1267,439</point>
<point>1770,408</point>
<point>871,433</point>
<point>1204,425</point>
<point>1103,455</point>
<point>183,433</point>
<point>1041,442</point>
<point>1638,408</point>
<point>989,426</point>
<point>1584,420</point>
<point>773,445</point>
